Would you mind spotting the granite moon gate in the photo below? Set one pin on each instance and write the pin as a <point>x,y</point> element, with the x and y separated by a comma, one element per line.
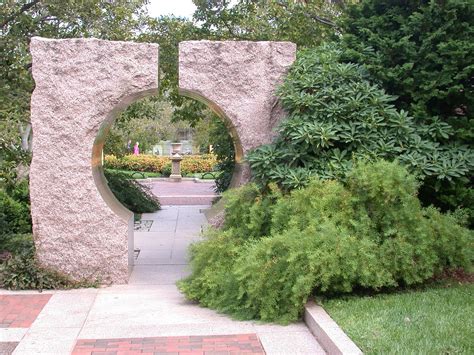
<point>79,227</point>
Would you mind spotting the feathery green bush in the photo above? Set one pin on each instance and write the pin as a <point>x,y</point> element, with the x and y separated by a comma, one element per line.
<point>274,251</point>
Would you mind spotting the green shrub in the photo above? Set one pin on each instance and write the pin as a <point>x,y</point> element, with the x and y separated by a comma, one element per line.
<point>274,251</point>
<point>224,150</point>
<point>14,213</point>
<point>421,51</point>
<point>337,115</point>
<point>166,170</point>
<point>23,272</point>
<point>136,197</point>
<point>13,243</point>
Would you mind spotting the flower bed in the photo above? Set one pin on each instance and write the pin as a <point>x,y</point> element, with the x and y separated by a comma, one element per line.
<point>158,164</point>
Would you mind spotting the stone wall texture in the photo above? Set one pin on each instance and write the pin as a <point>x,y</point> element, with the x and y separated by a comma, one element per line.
<point>238,79</point>
<point>81,84</point>
<point>79,227</point>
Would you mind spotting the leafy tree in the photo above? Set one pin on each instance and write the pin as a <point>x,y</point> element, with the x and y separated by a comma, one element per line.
<point>20,20</point>
<point>168,31</point>
<point>146,121</point>
<point>305,23</point>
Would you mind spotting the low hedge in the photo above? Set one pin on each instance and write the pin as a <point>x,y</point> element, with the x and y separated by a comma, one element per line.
<point>136,197</point>
<point>159,164</point>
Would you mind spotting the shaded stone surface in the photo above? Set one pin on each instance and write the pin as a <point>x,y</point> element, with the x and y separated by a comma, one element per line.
<point>81,84</point>
<point>238,79</point>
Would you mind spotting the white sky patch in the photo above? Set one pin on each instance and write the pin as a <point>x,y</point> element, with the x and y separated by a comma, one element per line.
<point>179,8</point>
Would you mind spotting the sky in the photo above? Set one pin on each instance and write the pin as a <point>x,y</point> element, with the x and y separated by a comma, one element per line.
<point>182,8</point>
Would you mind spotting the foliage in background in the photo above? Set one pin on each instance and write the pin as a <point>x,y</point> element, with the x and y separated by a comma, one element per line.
<point>306,23</point>
<point>147,121</point>
<point>14,214</point>
<point>133,195</point>
<point>159,164</point>
<point>15,218</point>
<point>275,251</point>
<point>20,20</point>
<point>224,150</point>
<point>421,51</point>
<point>335,114</point>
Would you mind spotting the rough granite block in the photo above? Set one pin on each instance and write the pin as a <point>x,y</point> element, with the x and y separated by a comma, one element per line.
<point>79,227</point>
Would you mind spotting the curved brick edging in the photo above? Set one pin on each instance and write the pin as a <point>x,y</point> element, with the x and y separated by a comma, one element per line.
<point>327,332</point>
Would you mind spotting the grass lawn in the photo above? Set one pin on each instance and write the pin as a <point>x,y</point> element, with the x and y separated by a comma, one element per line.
<point>436,320</point>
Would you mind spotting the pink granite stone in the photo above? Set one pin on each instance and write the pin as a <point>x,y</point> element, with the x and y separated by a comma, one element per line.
<point>79,227</point>
<point>238,79</point>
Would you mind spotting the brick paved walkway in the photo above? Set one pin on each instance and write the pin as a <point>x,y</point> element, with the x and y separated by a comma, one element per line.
<point>189,345</point>
<point>184,192</point>
<point>20,311</point>
<point>7,347</point>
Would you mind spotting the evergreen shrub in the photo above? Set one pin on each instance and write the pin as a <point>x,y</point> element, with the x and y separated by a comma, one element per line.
<point>276,250</point>
<point>136,197</point>
<point>421,51</point>
<point>15,215</point>
<point>23,272</point>
<point>336,114</point>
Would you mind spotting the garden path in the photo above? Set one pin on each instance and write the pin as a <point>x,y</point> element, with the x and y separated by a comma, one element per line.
<point>149,314</point>
<point>186,192</point>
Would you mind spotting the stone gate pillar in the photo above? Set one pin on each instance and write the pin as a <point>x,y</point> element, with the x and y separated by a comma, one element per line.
<point>81,84</point>
<point>237,80</point>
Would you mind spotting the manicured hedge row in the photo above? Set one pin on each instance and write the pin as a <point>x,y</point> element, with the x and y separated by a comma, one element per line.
<point>158,164</point>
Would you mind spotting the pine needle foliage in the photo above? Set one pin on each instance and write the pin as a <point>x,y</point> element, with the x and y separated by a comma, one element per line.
<point>275,251</point>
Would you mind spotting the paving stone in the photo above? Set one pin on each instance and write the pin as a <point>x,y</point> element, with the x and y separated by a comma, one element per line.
<point>184,192</point>
<point>48,341</point>
<point>248,343</point>
<point>20,311</point>
<point>7,347</point>
<point>65,310</point>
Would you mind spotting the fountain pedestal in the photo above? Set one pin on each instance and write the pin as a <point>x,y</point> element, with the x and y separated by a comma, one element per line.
<point>176,168</point>
<point>176,162</point>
